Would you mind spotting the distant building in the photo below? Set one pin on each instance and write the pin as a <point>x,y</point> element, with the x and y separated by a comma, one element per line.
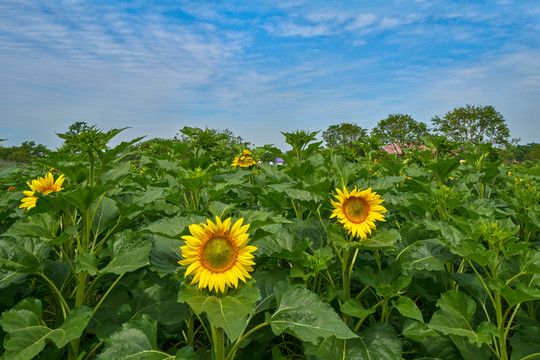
<point>397,148</point>
<point>280,161</point>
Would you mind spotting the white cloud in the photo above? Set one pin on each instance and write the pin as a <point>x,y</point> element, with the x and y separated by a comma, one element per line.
<point>361,21</point>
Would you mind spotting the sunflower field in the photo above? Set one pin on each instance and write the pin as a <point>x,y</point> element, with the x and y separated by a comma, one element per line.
<point>181,252</point>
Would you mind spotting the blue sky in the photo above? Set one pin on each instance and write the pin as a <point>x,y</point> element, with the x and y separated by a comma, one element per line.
<point>262,67</point>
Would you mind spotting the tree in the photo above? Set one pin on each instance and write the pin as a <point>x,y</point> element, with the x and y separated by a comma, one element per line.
<point>534,153</point>
<point>77,128</point>
<point>24,153</point>
<point>343,134</point>
<point>472,124</point>
<point>399,128</point>
<point>520,152</point>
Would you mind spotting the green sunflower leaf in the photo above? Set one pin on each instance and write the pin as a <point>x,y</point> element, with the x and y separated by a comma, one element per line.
<point>378,342</point>
<point>454,318</point>
<point>138,340</point>
<point>27,334</point>
<point>226,312</point>
<point>306,315</point>
<point>22,254</point>
<point>130,252</point>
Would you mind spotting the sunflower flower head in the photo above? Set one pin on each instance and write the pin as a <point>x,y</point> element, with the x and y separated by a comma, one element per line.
<point>217,254</point>
<point>246,160</point>
<point>42,185</point>
<point>358,210</point>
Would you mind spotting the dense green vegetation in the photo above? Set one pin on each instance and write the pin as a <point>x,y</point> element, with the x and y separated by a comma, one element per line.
<point>89,252</point>
<point>91,272</point>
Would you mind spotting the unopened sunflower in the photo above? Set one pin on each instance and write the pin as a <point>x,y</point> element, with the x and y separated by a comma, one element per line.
<point>358,210</point>
<point>246,160</point>
<point>44,185</point>
<point>217,254</point>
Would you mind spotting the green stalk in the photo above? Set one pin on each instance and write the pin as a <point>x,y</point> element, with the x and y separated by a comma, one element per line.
<point>346,275</point>
<point>232,353</point>
<point>91,158</point>
<point>532,356</point>
<point>500,325</point>
<point>107,293</point>
<point>60,298</point>
<point>365,317</point>
<point>218,342</point>
<point>190,336</point>
<point>81,285</point>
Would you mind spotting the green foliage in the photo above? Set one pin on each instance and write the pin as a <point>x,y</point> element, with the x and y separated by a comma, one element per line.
<point>399,128</point>
<point>303,313</point>
<point>343,134</point>
<point>92,271</point>
<point>300,142</point>
<point>25,153</point>
<point>473,124</point>
<point>533,154</point>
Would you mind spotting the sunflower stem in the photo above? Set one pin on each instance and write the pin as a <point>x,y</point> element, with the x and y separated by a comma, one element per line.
<point>218,342</point>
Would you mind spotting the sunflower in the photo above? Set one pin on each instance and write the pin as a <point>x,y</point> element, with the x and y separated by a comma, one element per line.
<point>358,210</point>
<point>217,254</point>
<point>44,185</point>
<point>246,160</point>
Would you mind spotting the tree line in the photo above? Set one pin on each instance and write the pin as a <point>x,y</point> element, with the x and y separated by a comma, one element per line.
<point>464,125</point>
<point>469,124</point>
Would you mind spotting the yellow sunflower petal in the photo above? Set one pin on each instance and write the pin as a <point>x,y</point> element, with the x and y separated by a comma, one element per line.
<point>216,254</point>
<point>358,210</point>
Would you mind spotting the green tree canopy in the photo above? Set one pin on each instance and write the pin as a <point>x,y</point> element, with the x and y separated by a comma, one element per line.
<point>533,153</point>
<point>399,128</point>
<point>343,134</point>
<point>473,124</point>
<point>24,153</point>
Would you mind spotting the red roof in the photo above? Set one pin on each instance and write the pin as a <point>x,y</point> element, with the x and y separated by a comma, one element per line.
<point>397,148</point>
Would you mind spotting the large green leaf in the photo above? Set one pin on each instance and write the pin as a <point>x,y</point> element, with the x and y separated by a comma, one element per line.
<point>283,244</point>
<point>355,307</point>
<point>174,227</point>
<point>129,252</point>
<point>378,342</point>
<point>227,312</point>
<point>137,340</point>
<point>338,349</point>
<point>43,226</point>
<point>427,255</point>
<point>303,313</point>
<point>513,296</point>
<point>27,334</point>
<point>158,301</point>
<point>459,243</point>
<point>106,215</point>
<point>382,342</point>
<point>165,254</point>
<point>86,262</point>
<point>378,240</point>
<point>22,254</point>
<point>82,198</point>
<point>525,339</point>
<point>417,331</point>
<point>455,318</point>
<point>443,168</point>
<point>408,308</point>
<point>266,282</point>
<point>107,156</point>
